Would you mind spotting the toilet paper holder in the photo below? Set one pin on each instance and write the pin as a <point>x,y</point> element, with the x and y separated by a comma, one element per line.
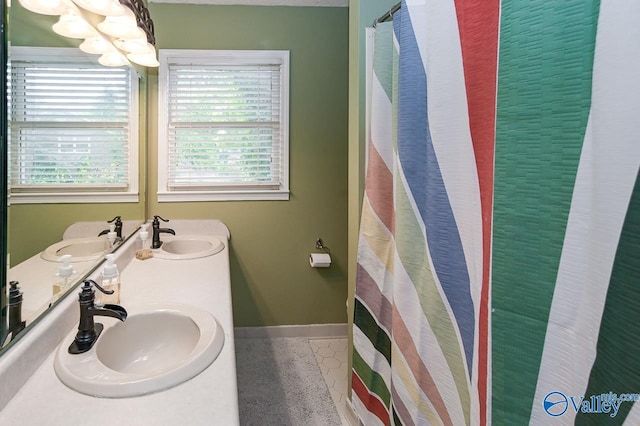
<point>320,245</point>
<point>320,260</point>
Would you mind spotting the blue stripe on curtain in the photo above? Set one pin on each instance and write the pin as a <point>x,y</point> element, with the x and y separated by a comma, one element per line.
<point>422,172</point>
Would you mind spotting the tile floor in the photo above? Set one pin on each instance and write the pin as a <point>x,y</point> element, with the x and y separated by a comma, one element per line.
<point>331,355</point>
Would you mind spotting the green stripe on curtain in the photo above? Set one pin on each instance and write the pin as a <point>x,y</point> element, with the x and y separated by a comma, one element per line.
<point>396,419</point>
<point>368,325</point>
<point>415,260</point>
<point>371,378</point>
<point>544,91</point>
<point>617,365</point>
<point>383,56</point>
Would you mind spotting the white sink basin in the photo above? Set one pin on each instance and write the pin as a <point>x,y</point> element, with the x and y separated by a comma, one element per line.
<point>156,348</point>
<point>82,249</point>
<point>188,247</point>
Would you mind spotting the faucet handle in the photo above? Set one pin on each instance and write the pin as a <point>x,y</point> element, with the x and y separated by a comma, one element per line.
<point>88,293</point>
<point>157,219</point>
<point>117,220</point>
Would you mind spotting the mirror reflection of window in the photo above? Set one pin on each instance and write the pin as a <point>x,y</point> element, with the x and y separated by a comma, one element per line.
<point>72,127</point>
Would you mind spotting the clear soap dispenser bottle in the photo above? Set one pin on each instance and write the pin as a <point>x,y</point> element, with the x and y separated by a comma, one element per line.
<point>110,280</point>
<point>144,234</point>
<point>112,235</point>
<point>63,277</point>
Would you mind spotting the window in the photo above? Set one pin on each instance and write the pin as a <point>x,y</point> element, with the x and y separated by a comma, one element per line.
<point>223,125</point>
<point>73,130</point>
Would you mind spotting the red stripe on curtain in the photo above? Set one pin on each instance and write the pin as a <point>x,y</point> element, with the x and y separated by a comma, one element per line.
<point>379,188</point>
<point>478,22</point>
<point>373,404</point>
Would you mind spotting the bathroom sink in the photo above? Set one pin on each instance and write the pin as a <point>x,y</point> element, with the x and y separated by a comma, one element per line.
<point>188,247</point>
<point>82,249</point>
<point>156,348</point>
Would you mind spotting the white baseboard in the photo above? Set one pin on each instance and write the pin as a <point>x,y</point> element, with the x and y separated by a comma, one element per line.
<point>310,330</point>
<point>352,417</point>
<point>348,416</point>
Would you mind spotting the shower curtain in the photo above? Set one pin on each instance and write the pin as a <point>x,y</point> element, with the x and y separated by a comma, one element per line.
<point>499,246</point>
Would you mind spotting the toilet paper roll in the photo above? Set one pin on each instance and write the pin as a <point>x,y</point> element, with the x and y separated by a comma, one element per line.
<point>319,260</point>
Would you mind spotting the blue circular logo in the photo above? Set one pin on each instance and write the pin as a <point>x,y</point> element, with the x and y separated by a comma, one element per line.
<point>555,403</point>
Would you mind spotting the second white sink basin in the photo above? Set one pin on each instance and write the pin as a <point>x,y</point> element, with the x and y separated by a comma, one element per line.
<point>82,249</point>
<point>182,247</point>
<point>154,349</point>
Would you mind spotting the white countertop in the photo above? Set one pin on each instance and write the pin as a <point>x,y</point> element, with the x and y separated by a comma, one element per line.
<point>210,398</point>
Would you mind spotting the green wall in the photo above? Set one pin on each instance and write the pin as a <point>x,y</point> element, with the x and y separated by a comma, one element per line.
<point>272,281</point>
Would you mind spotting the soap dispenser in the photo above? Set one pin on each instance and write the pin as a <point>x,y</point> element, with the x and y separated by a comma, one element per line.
<point>112,235</point>
<point>109,280</point>
<point>63,277</point>
<point>144,234</point>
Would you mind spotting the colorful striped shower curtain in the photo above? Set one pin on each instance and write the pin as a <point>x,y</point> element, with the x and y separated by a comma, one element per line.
<point>499,249</point>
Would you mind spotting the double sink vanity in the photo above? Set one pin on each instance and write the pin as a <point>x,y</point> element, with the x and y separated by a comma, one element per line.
<point>169,359</point>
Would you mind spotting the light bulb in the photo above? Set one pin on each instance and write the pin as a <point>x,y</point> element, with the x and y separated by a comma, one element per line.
<point>73,26</point>
<point>144,59</point>
<point>46,7</point>
<point>102,7</point>
<point>96,45</point>
<point>139,46</point>
<point>123,26</point>
<point>113,59</point>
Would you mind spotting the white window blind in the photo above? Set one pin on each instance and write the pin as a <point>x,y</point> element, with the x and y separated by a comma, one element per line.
<point>225,124</point>
<point>72,125</point>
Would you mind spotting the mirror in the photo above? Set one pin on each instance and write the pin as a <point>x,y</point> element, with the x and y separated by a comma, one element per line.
<point>3,174</point>
<point>30,228</point>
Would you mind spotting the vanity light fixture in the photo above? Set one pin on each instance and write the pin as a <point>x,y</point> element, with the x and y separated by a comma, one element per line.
<point>118,30</point>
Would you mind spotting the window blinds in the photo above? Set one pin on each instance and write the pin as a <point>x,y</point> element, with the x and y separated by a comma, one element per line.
<point>224,126</point>
<point>69,126</point>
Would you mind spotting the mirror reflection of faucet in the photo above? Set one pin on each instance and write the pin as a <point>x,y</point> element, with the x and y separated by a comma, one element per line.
<point>114,233</point>
<point>156,243</point>
<point>88,329</point>
<point>16,324</point>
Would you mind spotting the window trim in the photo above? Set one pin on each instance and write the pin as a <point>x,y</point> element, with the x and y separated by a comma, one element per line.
<point>165,194</point>
<point>76,195</point>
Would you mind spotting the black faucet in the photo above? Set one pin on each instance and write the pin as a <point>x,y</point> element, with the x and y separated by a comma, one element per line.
<point>16,325</point>
<point>88,330</point>
<point>155,242</point>
<point>118,230</point>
